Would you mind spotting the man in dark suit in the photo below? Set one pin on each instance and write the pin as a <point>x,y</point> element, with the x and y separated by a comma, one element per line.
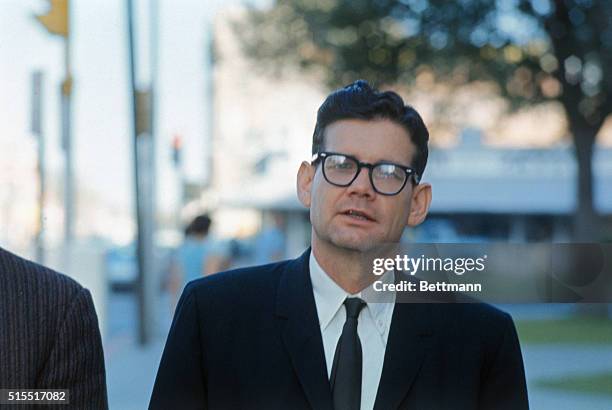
<point>298,335</point>
<point>49,335</point>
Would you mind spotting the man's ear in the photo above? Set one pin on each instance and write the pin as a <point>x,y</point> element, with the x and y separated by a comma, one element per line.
<point>421,199</point>
<point>305,176</point>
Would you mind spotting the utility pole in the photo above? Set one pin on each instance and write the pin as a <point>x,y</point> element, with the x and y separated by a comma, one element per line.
<point>36,128</point>
<point>144,165</point>
<point>69,197</point>
<point>57,22</point>
<point>177,161</point>
<point>209,66</point>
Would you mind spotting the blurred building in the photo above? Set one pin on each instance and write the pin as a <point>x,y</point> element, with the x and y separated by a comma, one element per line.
<point>263,130</point>
<point>19,204</point>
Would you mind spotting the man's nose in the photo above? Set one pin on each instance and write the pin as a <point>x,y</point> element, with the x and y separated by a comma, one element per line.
<point>361,185</point>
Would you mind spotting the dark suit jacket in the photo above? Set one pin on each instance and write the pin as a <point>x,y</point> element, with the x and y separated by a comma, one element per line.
<point>49,335</point>
<point>250,339</point>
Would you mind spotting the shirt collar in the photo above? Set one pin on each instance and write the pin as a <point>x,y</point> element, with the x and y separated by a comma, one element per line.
<point>329,297</point>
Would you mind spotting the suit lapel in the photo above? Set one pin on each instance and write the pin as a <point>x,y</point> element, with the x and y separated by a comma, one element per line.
<point>301,334</point>
<point>409,336</point>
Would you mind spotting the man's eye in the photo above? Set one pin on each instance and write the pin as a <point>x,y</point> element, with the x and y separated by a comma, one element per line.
<point>388,172</point>
<point>342,164</point>
<point>388,176</point>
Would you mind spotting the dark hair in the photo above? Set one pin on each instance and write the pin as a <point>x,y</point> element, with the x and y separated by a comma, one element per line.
<point>359,100</point>
<point>199,226</point>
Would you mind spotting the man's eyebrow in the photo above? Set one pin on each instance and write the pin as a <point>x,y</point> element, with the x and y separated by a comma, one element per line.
<point>393,161</point>
<point>384,160</point>
<point>378,161</point>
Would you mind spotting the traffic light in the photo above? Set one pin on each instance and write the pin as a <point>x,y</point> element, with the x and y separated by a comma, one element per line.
<point>177,145</point>
<point>143,112</point>
<point>56,19</point>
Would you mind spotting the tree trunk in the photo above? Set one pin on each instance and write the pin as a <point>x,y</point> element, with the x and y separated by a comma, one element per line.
<point>586,228</point>
<point>585,217</point>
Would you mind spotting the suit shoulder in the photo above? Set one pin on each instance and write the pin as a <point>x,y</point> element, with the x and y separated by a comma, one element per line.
<point>35,297</point>
<point>485,310</point>
<point>241,282</point>
<point>483,317</point>
<point>29,276</point>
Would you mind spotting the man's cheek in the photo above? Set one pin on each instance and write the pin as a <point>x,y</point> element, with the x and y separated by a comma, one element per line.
<point>318,211</point>
<point>322,204</point>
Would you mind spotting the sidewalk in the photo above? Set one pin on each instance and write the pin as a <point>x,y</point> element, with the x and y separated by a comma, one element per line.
<point>131,368</point>
<point>131,373</point>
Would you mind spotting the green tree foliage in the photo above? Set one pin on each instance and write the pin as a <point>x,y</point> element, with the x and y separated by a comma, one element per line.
<point>534,50</point>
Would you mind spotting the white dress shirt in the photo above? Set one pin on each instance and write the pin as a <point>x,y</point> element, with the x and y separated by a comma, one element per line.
<point>373,328</point>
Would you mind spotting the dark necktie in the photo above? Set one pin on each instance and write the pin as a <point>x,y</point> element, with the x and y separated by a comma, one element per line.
<point>346,370</point>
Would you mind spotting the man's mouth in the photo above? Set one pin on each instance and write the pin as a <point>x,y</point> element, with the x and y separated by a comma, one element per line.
<point>359,215</point>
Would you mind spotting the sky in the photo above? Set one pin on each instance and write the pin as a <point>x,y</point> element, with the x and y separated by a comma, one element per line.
<point>102,102</point>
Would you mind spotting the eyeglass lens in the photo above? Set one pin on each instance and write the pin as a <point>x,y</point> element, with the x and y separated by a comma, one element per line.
<point>342,170</point>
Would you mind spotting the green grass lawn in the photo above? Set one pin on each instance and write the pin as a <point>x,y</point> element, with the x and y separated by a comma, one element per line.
<point>571,331</point>
<point>574,330</point>
<point>600,383</point>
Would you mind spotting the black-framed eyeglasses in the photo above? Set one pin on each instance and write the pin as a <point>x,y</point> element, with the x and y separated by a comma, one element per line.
<point>387,178</point>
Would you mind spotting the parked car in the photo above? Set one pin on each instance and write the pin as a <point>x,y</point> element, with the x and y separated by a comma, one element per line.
<point>122,268</point>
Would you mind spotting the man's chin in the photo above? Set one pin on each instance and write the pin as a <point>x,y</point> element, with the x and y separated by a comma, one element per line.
<point>355,244</point>
<point>349,239</point>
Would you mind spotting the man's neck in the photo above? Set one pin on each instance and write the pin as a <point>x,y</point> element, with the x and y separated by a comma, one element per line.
<point>343,266</point>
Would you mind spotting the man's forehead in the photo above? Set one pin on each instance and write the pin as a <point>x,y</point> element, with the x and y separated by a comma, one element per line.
<point>370,140</point>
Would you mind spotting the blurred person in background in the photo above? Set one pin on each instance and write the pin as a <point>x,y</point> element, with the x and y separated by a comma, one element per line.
<point>199,255</point>
<point>269,244</point>
<point>49,334</point>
